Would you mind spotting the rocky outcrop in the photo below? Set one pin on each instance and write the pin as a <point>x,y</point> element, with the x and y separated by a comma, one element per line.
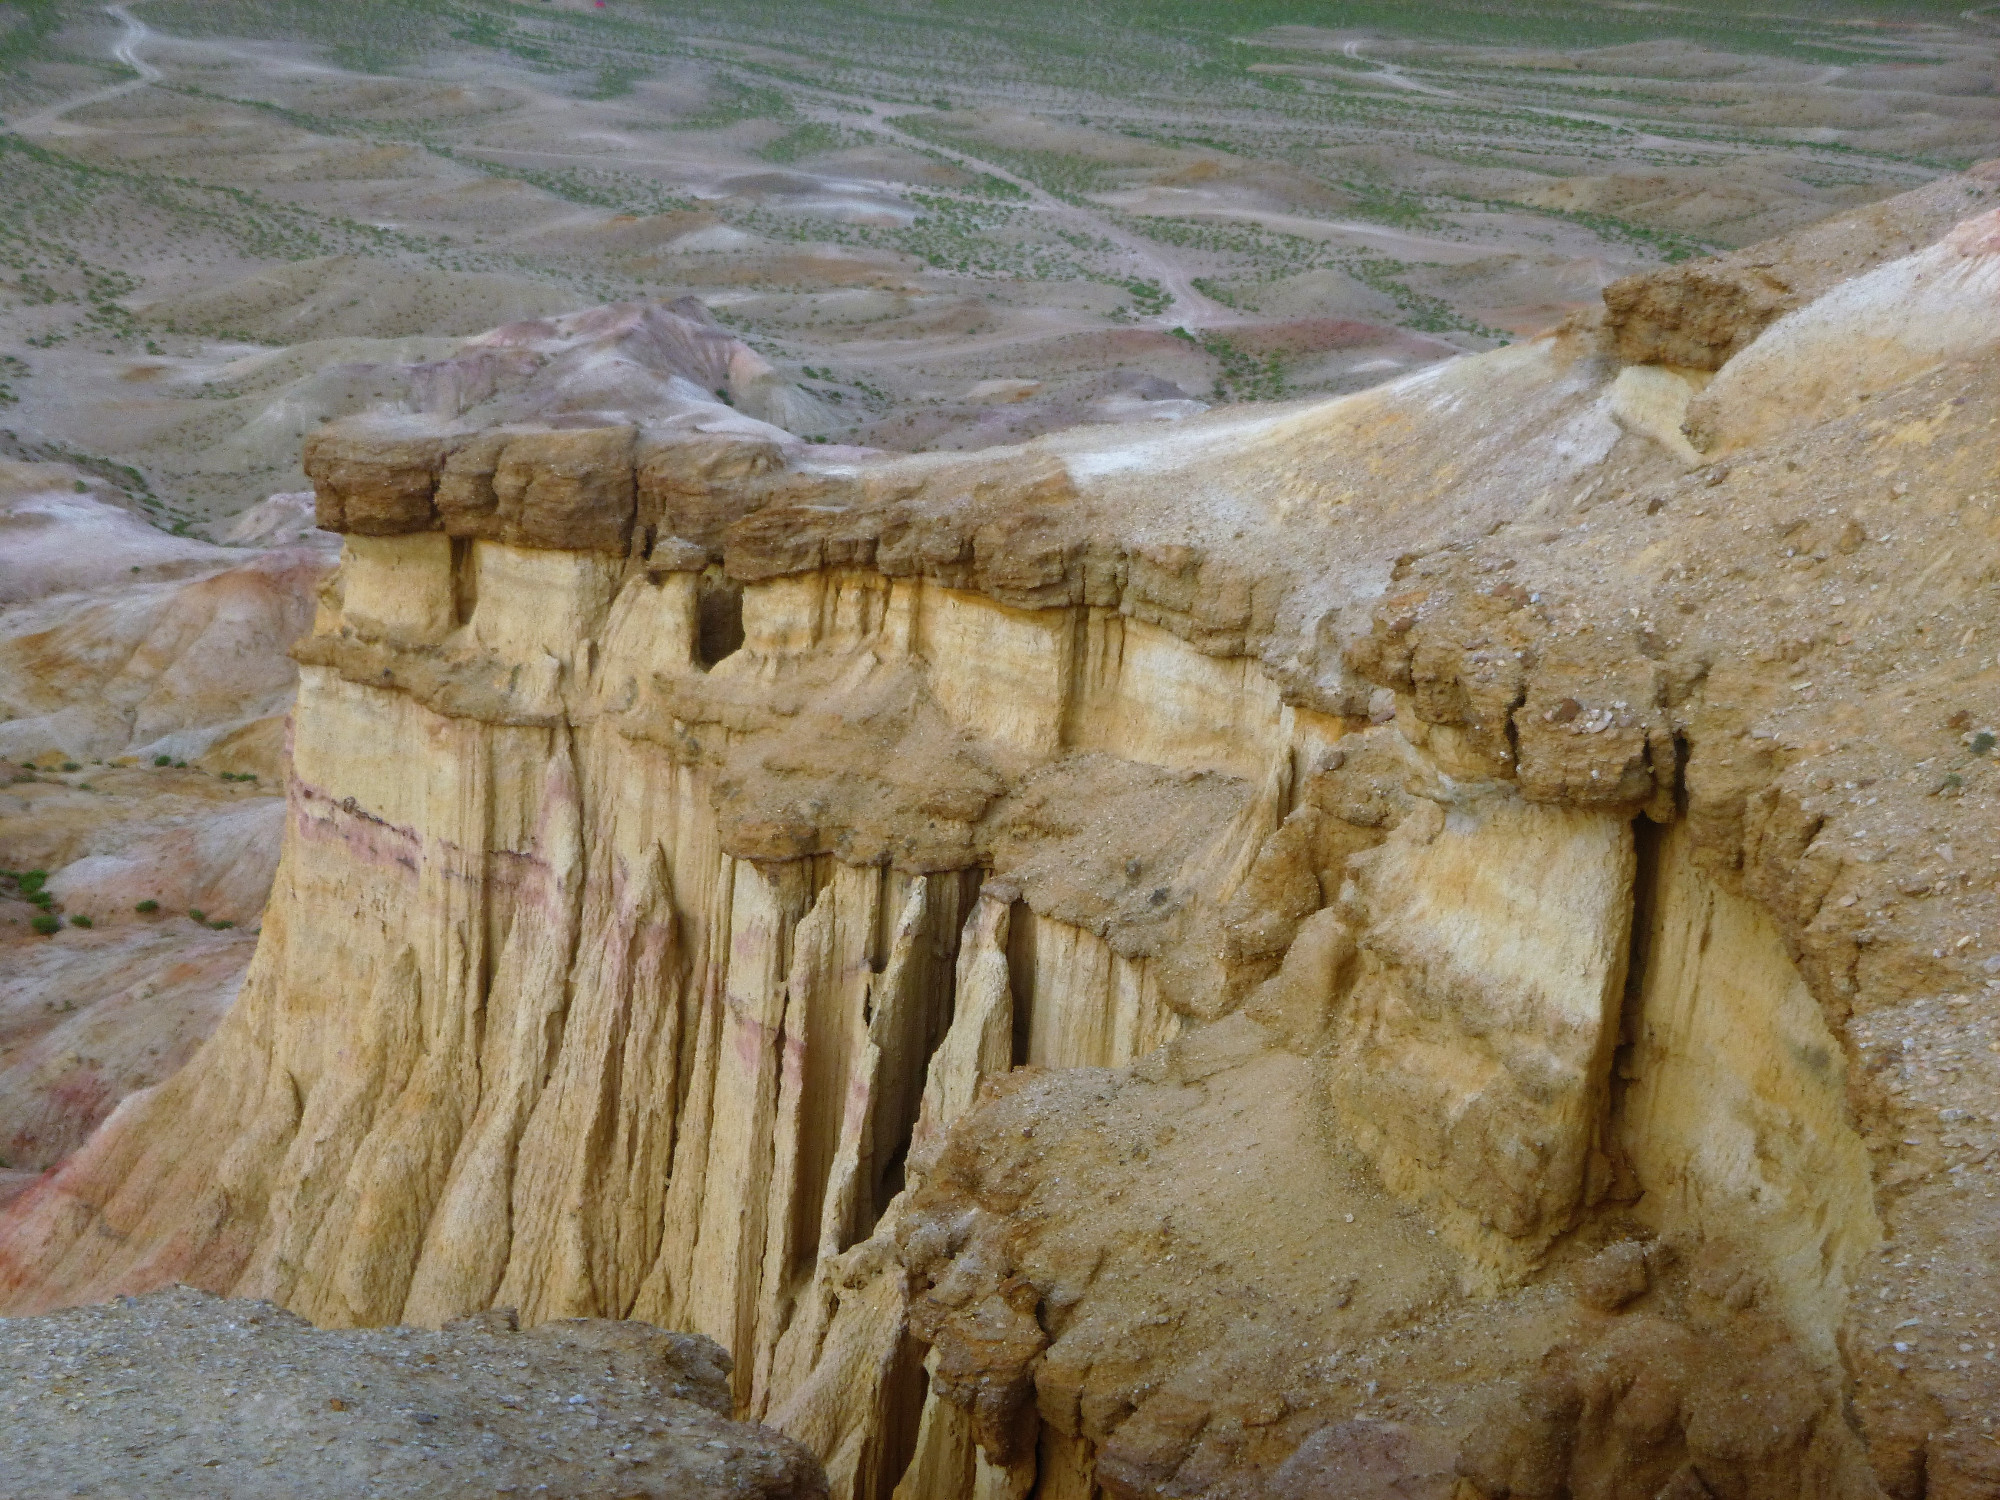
<point>1701,314</point>
<point>1336,941</point>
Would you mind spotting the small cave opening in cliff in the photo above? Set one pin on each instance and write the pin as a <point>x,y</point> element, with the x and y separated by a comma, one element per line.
<point>719,619</point>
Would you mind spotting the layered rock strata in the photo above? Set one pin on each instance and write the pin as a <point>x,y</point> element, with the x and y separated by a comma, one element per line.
<point>1338,941</point>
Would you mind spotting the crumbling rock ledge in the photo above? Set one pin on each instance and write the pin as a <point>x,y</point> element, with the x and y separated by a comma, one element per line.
<point>1346,940</point>
<point>1700,315</point>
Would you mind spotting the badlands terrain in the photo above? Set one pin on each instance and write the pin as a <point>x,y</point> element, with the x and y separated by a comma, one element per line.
<point>1148,752</point>
<point>942,226</point>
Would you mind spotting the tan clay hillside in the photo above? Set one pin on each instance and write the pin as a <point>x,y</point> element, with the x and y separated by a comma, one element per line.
<point>1441,942</point>
<point>144,689</point>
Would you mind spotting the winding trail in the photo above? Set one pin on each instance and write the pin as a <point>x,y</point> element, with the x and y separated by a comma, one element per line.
<point>126,51</point>
<point>1389,73</point>
<point>1186,306</point>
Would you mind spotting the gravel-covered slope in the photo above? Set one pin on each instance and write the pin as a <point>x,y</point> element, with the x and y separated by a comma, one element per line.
<point>183,1393</point>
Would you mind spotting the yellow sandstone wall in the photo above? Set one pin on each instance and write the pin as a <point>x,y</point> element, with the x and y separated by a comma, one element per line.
<point>523,1031</point>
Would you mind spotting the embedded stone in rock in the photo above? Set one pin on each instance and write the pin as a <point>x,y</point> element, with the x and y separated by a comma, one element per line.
<point>1366,1458</point>
<point>1701,314</point>
<point>1863,337</point>
<point>1692,316</point>
<point>466,502</point>
<point>1614,1276</point>
<point>1470,1053</point>
<point>564,489</point>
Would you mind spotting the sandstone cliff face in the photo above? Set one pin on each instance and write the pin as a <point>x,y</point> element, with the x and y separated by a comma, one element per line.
<point>1346,944</point>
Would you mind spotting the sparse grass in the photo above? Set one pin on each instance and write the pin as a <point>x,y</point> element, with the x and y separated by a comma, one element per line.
<point>1149,298</point>
<point>1061,174</point>
<point>621,192</point>
<point>736,102</point>
<point>1419,310</point>
<point>1251,244</point>
<point>814,138</point>
<point>1218,291</point>
<point>1245,376</point>
<point>1669,246</point>
<point>26,27</point>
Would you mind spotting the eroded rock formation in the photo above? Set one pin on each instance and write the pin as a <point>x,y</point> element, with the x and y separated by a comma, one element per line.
<point>1365,948</point>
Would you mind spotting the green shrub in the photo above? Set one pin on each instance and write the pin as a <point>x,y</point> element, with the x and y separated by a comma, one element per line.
<point>196,914</point>
<point>80,920</point>
<point>32,881</point>
<point>163,760</point>
<point>147,907</point>
<point>47,925</point>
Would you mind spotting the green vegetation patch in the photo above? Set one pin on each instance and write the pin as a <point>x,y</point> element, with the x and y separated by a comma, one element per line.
<point>814,138</point>
<point>1418,310</point>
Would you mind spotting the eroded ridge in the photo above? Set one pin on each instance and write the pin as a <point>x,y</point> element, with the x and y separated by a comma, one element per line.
<point>1347,944</point>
